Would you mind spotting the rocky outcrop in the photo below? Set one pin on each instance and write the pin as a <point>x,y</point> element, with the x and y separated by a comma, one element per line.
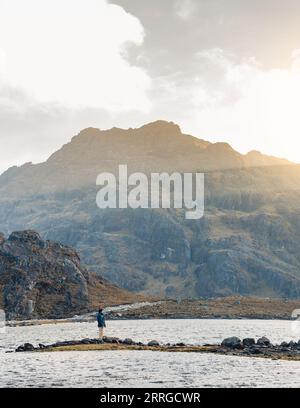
<point>41,278</point>
<point>39,275</point>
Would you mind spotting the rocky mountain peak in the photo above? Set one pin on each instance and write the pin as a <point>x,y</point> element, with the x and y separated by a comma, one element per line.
<point>160,126</point>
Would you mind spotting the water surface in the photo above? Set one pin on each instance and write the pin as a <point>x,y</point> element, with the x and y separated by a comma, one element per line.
<point>146,368</point>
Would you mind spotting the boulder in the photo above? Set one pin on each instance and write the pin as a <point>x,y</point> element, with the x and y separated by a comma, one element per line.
<point>248,342</point>
<point>108,339</point>
<point>263,341</point>
<point>28,347</point>
<point>153,343</point>
<point>86,341</point>
<point>128,341</point>
<point>232,342</point>
<point>42,346</point>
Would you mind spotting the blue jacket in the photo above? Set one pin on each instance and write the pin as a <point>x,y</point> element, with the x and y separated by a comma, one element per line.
<point>101,320</point>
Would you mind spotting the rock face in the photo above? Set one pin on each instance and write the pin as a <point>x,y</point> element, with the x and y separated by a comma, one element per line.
<point>248,242</point>
<point>40,278</point>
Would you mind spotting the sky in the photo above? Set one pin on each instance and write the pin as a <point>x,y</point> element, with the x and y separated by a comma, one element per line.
<point>224,70</point>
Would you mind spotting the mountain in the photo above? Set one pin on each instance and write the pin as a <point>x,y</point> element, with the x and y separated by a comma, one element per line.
<point>248,241</point>
<point>158,146</point>
<point>45,279</point>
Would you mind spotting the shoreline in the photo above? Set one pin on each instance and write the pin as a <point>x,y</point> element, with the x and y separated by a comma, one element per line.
<point>228,308</point>
<point>27,323</point>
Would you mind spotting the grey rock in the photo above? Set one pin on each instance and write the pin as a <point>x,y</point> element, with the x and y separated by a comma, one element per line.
<point>255,351</point>
<point>263,341</point>
<point>86,341</point>
<point>28,347</point>
<point>232,342</point>
<point>153,343</point>
<point>248,342</point>
<point>128,341</point>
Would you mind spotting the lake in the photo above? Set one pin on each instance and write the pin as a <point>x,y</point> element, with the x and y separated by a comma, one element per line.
<point>146,368</point>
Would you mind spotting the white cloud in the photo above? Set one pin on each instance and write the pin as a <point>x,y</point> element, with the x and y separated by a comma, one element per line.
<point>227,99</point>
<point>184,8</point>
<point>63,67</point>
<point>72,52</point>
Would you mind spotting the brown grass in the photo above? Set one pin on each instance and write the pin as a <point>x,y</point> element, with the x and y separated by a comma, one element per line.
<point>104,292</point>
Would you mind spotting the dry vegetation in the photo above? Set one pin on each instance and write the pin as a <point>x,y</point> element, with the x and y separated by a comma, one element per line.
<point>104,292</point>
<point>232,307</point>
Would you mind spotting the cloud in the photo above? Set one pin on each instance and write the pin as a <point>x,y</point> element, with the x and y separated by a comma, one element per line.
<point>226,98</point>
<point>72,52</point>
<point>30,131</point>
<point>184,8</point>
<point>65,65</point>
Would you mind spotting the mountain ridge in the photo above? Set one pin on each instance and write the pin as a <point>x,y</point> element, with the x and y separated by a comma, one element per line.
<point>154,131</point>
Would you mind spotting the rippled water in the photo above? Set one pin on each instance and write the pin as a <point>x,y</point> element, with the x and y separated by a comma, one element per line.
<point>146,368</point>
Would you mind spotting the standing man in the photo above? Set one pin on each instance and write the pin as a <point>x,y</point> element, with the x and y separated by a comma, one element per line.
<point>101,322</point>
